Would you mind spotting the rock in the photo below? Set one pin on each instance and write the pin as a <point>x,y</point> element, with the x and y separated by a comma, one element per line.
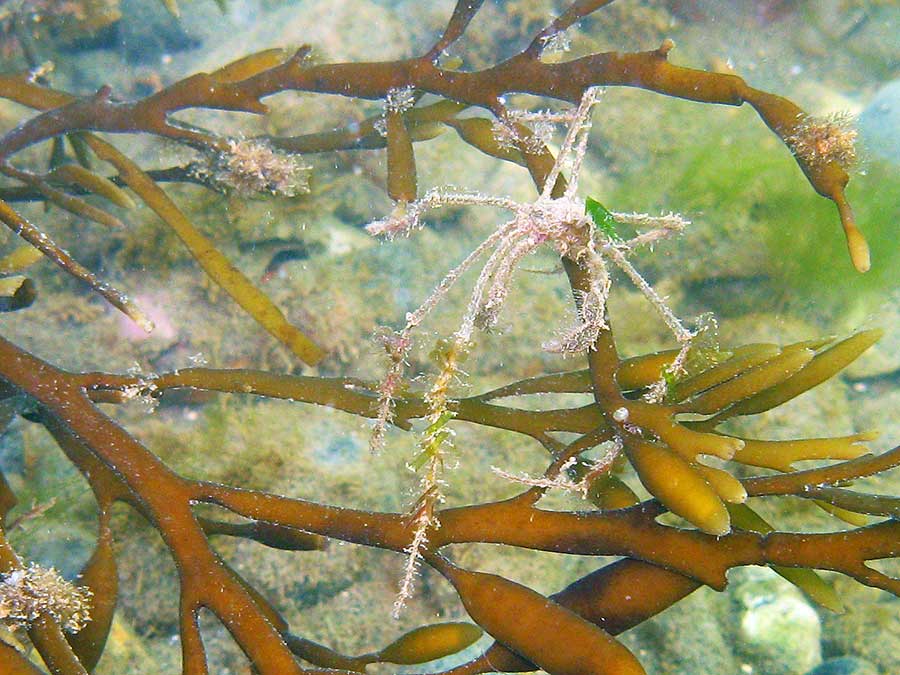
<point>690,638</point>
<point>879,123</point>
<point>336,31</point>
<point>870,627</point>
<point>844,665</point>
<point>147,32</point>
<point>779,631</point>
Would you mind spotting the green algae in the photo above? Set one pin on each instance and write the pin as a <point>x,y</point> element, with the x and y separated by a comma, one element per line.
<point>814,267</point>
<point>740,192</point>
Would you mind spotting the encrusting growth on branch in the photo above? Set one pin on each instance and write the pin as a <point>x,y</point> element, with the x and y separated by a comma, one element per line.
<point>250,167</point>
<point>29,592</point>
<point>824,140</point>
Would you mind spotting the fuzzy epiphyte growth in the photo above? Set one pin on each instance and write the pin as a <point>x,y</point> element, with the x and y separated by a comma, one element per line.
<point>28,593</point>
<point>250,167</point>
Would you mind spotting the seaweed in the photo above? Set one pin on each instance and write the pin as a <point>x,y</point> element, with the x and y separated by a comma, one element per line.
<point>655,419</point>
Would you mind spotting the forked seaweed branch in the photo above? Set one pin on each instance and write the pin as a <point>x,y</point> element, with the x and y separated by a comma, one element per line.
<point>660,413</point>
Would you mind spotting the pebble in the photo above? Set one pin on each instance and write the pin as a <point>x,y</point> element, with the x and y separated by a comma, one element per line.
<point>778,627</point>
<point>879,123</point>
<point>844,665</point>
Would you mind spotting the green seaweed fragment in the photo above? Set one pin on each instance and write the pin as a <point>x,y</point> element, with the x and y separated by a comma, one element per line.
<point>602,218</point>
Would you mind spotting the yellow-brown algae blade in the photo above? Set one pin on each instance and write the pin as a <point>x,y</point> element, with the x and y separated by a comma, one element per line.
<point>24,256</point>
<point>633,373</point>
<point>609,492</point>
<point>856,242</point>
<point>814,586</point>
<point>256,303</point>
<point>80,148</point>
<point>849,517</point>
<point>815,344</point>
<point>251,65</point>
<point>100,577</point>
<point>172,6</point>
<point>401,160</point>
<point>823,366</point>
<point>459,21</point>
<point>428,643</point>
<point>750,382</point>
<point>99,185</point>
<point>273,616</point>
<point>827,176</point>
<point>726,486</point>
<point>540,630</point>
<point>746,518</point>
<point>676,483</point>
<point>479,133</point>
<point>325,657</point>
<point>687,442</point>
<point>65,200</point>
<point>642,371</point>
<point>722,372</point>
<point>424,131</point>
<point>12,662</point>
<point>16,293</point>
<point>52,251</point>
<point>287,538</point>
<point>421,123</point>
<point>266,533</point>
<point>781,455</point>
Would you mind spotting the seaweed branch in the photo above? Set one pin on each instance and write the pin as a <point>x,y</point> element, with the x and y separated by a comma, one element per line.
<point>654,421</point>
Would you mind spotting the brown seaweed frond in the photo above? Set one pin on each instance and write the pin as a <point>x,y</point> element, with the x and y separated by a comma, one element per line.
<point>660,413</point>
<point>113,463</point>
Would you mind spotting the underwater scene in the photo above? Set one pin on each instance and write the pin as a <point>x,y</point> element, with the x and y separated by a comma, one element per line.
<point>450,337</point>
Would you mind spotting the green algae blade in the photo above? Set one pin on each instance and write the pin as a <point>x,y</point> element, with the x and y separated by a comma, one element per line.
<point>602,218</point>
